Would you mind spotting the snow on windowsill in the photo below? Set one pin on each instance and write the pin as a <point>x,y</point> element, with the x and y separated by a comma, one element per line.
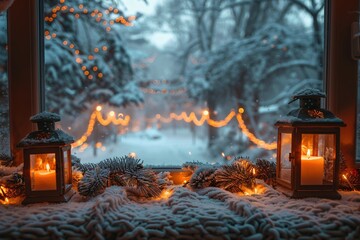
<point>210,213</point>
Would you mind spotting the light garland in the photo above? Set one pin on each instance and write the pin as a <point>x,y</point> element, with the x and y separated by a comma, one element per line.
<point>97,116</point>
<point>125,120</point>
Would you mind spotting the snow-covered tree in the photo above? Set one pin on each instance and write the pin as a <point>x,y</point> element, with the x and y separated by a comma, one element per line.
<point>250,54</point>
<point>86,58</point>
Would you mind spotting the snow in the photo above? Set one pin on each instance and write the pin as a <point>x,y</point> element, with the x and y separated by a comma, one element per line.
<point>210,213</point>
<point>154,147</point>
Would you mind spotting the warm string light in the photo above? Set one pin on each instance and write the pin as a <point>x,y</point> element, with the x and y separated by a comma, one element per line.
<point>97,116</point>
<point>205,117</point>
<point>348,182</point>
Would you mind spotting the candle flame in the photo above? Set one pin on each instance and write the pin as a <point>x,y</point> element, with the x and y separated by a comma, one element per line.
<point>47,167</point>
<point>308,153</point>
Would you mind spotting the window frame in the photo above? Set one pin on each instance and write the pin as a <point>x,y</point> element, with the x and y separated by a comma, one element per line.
<point>341,73</point>
<point>24,70</point>
<point>26,87</point>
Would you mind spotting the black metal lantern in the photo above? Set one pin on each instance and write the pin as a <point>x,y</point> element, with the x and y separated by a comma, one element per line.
<point>47,161</point>
<point>308,149</point>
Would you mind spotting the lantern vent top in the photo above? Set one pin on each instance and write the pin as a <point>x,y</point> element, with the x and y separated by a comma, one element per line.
<point>45,120</point>
<point>309,98</point>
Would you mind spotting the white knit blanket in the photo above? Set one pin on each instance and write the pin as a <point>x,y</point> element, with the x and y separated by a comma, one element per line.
<point>210,213</point>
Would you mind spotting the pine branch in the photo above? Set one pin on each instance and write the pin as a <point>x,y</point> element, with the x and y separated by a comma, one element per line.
<point>84,167</point>
<point>202,178</point>
<point>235,176</point>
<point>94,182</point>
<point>142,183</point>
<point>121,165</point>
<point>265,170</point>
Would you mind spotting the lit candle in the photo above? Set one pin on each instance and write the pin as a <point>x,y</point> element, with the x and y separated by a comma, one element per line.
<point>44,179</point>
<point>312,169</point>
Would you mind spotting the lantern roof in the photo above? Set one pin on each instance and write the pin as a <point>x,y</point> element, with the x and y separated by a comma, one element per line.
<point>309,112</point>
<point>308,93</point>
<point>45,117</point>
<point>46,133</point>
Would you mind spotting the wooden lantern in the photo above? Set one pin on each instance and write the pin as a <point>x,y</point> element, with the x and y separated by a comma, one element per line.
<point>47,161</point>
<point>308,149</point>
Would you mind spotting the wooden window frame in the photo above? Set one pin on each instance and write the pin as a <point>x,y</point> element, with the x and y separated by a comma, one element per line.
<point>341,72</point>
<point>26,84</point>
<point>25,61</point>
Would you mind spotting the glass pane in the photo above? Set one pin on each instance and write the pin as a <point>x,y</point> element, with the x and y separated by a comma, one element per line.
<point>4,94</point>
<point>43,171</point>
<point>67,166</point>
<point>285,163</point>
<point>156,81</point>
<point>317,159</point>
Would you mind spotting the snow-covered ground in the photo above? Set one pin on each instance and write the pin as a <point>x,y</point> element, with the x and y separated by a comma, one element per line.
<point>154,147</point>
<point>210,213</point>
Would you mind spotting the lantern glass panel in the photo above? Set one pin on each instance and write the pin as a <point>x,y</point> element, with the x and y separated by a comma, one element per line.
<point>67,167</point>
<point>285,164</point>
<point>43,172</point>
<point>318,153</point>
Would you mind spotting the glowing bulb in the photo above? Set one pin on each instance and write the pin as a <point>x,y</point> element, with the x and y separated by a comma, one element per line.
<point>206,113</point>
<point>132,155</point>
<point>111,113</point>
<point>98,108</point>
<point>47,167</point>
<point>241,110</point>
<point>223,154</point>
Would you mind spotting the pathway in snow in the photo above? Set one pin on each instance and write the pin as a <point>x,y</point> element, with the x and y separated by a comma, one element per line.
<point>153,147</point>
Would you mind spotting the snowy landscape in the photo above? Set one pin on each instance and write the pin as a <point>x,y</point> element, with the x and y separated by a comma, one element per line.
<point>154,147</point>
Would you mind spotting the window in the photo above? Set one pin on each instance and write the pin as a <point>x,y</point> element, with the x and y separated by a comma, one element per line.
<point>340,73</point>
<point>4,93</point>
<point>153,61</point>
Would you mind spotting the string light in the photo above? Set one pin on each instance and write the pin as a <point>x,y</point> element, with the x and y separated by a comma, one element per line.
<point>97,116</point>
<point>124,121</point>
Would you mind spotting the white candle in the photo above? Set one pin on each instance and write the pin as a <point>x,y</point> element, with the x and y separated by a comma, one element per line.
<point>312,169</point>
<point>44,179</point>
